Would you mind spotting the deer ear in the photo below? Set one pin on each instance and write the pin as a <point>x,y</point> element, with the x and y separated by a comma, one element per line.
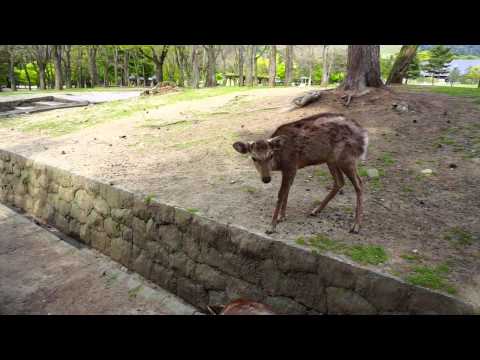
<point>241,147</point>
<point>277,142</point>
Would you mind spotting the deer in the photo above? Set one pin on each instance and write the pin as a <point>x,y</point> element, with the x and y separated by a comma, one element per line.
<point>329,138</point>
<point>242,307</point>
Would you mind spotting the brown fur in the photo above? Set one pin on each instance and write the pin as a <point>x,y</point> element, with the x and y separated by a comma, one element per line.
<point>246,307</point>
<point>323,138</point>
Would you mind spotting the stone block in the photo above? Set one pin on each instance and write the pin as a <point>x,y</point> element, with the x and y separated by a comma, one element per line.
<point>344,301</point>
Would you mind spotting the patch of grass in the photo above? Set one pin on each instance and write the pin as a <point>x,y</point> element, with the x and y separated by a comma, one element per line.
<point>321,243</point>
<point>411,257</point>
<point>367,254</point>
<point>470,92</point>
<point>132,293</point>
<point>459,236</point>
<point>249,189</point>
<point>407,189</point>
<point>26,180</point>
<point>321,173</point>
<point>148,199</point>
<point>362,171</point>
<point>111,279</point>
<point>193,210</point>
<point>431,277</point>
<point>387,159</point>
<point>375,184</point>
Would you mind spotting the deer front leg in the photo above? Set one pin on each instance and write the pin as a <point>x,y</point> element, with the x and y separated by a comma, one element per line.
<point>283,208</point>
<point>282,197</point>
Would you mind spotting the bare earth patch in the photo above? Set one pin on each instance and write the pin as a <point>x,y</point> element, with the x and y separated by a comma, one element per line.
<point>182,153</point>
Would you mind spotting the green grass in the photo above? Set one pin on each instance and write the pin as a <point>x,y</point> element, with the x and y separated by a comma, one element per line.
<point>407,189</point>
<point>459,236</point>
<point>132,293</point>
<point>368,254</point>
<point>411,257</point>
<point>387,159</point>
<point>111,279</point>
<point>460,91</point>
<point>364,254</point>
<point>249,189</point>
<point>431,277</point>
<point>148,199</point>
<point>193,210</point>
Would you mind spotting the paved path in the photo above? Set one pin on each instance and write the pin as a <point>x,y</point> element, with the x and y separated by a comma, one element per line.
<point>45,272</point>
<point>92,96</point>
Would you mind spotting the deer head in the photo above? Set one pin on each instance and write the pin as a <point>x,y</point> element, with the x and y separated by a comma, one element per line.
<point>262,152</point>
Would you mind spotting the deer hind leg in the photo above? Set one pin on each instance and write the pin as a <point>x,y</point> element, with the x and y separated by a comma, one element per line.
<point>337,185</point>
<point>352,174</point>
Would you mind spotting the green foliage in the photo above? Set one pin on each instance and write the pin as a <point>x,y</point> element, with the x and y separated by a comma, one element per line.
<point>414,68</point>
<point>454,75</point>
<point>337,77</point>
<point>440,58</point>
<point>473,73</point>
<point>386,65</point>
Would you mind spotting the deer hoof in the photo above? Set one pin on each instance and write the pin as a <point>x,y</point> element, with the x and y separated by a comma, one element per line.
<point>355,229</point>
<point>270,231</point>
<point>313,213</point>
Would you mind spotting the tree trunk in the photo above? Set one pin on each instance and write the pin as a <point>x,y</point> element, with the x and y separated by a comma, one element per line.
<point>250,65</point>
<point>402,62</point>
<point>57,58</point>
<point>27,75</point>
<point>115,67</point>
<point>240,64</point>
<point>211,60</point>
<point>179,61</point>
<point>126,81</point>
<point>478,86</point>
<point>363,68</point>
<point>68,66</point>
<point>106,65</point>
<point>11,70</point>
<point>272,66</point>
<point>79,68</point>
<point>325,72</point>
<point>288,65</point>
<point>195,66</point>
<point>92,57</point>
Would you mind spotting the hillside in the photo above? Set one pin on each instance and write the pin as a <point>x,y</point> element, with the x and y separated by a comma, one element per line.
<point>459,49</point>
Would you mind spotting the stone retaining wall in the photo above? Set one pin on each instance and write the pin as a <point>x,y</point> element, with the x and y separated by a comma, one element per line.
<point>203,261</point>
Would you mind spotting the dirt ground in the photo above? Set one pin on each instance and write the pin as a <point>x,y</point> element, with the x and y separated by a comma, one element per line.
<point>182,154</point>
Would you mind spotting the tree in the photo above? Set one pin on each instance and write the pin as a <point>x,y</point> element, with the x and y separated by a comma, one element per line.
<point>212,53</point>
<point>241,51</point>
<point>156,53</point>
<point>92,61</point>
<point>454,76</point>
<point>363,68</point>
<point>42,56</point>
<point>288,64</point>
<point>413,70</point>
<point>272,66</point>
<point>325,73</point>
<point>404,59</point>
<point>474,74</point>
<point>67,62</point>
<point>440,58</point>
<point>251,51</point>
<point>11,49</point>
<point>57,58</point>
<point>195,66</point>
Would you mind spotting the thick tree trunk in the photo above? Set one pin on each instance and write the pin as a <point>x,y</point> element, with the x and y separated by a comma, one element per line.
<point>11,70</point>
<point>195,66</point>
<point>288,65</point>
<point>92,57</point>
<point>272,66</point>
<point>241,60</point>
<point>211,60</point>
<point>41,76</point>
<point>68,66</point>
<point>363,68</point>
<point>402,62</point>
<point>325,72</point>
<point>57,58</point>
